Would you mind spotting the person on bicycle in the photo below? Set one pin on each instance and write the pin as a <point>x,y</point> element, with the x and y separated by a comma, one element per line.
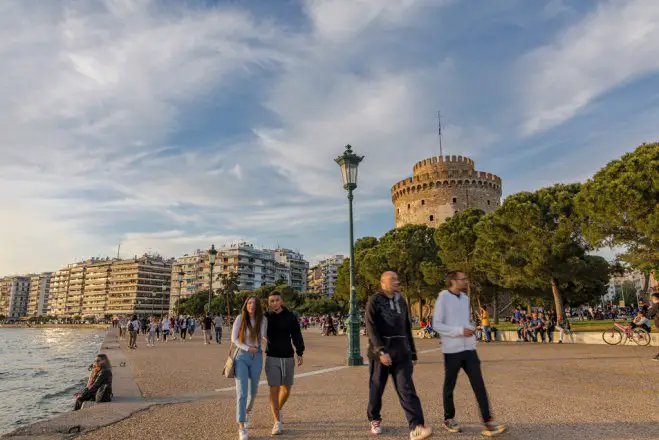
<point>641,321</point>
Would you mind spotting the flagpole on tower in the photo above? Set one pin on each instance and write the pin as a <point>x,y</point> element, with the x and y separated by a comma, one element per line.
<point>439,120</point>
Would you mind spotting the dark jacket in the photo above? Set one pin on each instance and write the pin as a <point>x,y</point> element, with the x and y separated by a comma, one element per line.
<point>101,388</point>
<point>389,328</point>
<point>282,328</point>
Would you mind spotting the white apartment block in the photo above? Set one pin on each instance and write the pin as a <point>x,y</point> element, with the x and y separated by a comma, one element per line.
<point>14,293</point>
<point>255,268</point>
<point>322,276</point>
<point>39,297</point>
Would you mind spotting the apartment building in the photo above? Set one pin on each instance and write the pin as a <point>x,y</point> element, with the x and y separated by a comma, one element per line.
<point>255,268</point>
<point>39,296</point>
<point>14,293</point>
<point>297,268</point>
<point>97,288</point>
<point>140,286</point>
<point>322,276</point>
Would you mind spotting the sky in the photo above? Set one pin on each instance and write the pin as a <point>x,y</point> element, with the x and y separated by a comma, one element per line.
<point>170,125</point>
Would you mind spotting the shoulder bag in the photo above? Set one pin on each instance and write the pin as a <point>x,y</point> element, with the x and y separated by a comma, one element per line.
<point>229,370</point>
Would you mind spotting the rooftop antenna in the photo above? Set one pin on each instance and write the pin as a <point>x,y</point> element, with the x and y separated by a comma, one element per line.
<point>118,250</point>
<point>439,132</point>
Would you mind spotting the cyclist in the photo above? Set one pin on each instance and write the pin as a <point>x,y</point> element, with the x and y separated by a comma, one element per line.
<point>640,321</point>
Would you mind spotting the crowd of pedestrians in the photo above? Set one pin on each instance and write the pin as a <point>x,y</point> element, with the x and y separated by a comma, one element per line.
<point>168,328</point>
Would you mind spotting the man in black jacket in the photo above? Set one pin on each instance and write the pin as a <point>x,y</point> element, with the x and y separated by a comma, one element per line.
<point>283,327</point>
<point>391,351</point>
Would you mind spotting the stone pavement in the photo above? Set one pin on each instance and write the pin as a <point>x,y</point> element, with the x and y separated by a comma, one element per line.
<point>540,391</point>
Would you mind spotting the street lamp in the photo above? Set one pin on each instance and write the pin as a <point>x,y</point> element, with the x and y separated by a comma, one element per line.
<point>162,300</point>
<point>181,274</point>
<point>153,300</point>
<point>212,253</point>
<point>349,162</point>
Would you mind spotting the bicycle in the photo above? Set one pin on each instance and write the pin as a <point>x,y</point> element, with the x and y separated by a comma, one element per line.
<point>614,335</point>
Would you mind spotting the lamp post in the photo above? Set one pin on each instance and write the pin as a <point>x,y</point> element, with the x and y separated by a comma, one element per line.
<point>181,274</point>
<point>349,162</point>
<point>212,253</point>
<point>153,300</point>
<point>162,300</point>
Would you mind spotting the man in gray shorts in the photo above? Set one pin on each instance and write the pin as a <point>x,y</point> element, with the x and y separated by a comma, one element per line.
<point>283,333</point>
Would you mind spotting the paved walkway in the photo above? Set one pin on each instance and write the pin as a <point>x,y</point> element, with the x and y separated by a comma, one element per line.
<point>540,391</point>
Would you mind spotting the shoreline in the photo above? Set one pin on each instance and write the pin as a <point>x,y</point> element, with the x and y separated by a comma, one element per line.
<point>72,326</point>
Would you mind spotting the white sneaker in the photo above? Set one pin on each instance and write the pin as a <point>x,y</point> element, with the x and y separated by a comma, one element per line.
<point>375,427</point>
<point>247,421</point>
<point>242,434</point>
<point>277,429</point>
<point>420,433</point>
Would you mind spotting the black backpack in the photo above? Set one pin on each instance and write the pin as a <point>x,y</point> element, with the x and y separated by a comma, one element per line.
<point>131,327</point>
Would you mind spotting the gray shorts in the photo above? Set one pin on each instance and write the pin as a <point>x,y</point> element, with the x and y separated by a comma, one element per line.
<point>279,371</point>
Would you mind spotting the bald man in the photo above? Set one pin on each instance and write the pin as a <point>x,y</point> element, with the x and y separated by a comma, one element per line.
<point>391,351</point>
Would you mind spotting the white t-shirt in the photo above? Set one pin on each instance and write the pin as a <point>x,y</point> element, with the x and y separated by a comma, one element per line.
<point>165,324</point>
<point>249,340</point>
<point>218,321</point>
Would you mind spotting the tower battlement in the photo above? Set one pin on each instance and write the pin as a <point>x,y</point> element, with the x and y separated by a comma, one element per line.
<point>441,186</point>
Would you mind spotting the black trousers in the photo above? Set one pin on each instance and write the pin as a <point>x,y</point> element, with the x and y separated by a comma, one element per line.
<point>401,373</point>
<point>468,361</point>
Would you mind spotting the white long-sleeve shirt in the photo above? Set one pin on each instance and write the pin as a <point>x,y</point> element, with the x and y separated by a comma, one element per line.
<point>452,315</point>
<point>249,340</point>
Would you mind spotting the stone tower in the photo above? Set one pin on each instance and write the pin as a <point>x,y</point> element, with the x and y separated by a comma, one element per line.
<point>441,186</point>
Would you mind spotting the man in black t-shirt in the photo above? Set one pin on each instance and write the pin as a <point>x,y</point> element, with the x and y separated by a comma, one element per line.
<point>208,326</point>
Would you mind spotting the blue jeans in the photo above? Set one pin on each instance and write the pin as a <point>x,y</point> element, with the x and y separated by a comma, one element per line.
<point>248,372</point>
<point>488,333</point>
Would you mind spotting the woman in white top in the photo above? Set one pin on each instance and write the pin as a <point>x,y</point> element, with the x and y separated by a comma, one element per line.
<point>248,331</point>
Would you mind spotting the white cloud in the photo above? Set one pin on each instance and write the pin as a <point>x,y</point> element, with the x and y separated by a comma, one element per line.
<point>614,44</point>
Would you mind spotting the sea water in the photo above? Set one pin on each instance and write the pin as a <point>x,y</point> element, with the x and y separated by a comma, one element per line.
<point>41,369</point>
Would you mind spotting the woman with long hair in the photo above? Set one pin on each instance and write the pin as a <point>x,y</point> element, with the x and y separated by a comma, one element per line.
<point>99,384</point>
<point>249,330</point>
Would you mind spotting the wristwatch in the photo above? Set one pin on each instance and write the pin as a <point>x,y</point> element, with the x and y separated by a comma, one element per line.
<point>383,353</point>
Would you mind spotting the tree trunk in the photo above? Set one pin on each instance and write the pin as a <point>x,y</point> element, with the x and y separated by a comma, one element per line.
<point>495,307</point>
<point>646,284</point>
<point>558,299</point>
<point>418,298</point>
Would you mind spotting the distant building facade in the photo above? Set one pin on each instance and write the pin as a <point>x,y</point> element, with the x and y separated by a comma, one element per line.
<point>37,305</point>
<point>322,276</point>
<point>14,293</point>
<point>255,268</point>
<point>98,288</point>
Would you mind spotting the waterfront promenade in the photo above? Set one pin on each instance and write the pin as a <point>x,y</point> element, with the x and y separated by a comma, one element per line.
<point>569,391</point>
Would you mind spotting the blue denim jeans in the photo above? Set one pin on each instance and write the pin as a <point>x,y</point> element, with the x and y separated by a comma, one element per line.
<point>248,372</point>
<point>487,331</point>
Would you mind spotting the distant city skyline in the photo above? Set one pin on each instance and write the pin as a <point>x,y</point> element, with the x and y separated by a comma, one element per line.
<point>169,126</point>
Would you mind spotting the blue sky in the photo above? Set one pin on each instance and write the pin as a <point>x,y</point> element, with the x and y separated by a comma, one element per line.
<point>168,125</point>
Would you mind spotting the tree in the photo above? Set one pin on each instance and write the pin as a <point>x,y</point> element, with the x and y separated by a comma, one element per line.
<point>365,287</point>
<point>533,241</point>
<point>590,282</point>
<point>619,206</point>
<point>228,289</point>
<point>409,251</point>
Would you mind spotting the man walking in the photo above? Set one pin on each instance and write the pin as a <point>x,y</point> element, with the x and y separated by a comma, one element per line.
<point>218,328</point>
<point>208,326</point>
<point>133,330</point>
<point>283,328</point>
<point>654,311</point>
<point>391,351</point>
<point>452,320</point>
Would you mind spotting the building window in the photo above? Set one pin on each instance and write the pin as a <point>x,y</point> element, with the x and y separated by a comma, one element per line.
<point>455,200</point>
<point>488,203</point>
<point>432,217</point>
<point>408,206</point>
<point>423,202</point>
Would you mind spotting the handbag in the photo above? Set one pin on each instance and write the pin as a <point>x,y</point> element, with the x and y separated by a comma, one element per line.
<point>229,370</point>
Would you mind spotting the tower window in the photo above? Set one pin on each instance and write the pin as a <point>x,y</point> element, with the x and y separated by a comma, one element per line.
<point>488,203</point>
<point>423,202</point>
<point>432,217</point>
<point>455,200</point>
<point>398,211</point>
<point>408,206</point>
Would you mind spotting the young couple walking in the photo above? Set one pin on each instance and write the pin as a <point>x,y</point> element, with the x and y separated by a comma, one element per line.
<point>392,351</point>
<point>278,330</point>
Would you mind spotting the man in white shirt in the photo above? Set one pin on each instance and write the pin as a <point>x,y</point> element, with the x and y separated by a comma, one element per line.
<point>218,328</point>
<point>452,320</point>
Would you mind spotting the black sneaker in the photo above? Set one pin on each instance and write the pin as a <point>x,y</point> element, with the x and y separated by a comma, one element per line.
<point>656,358</point>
